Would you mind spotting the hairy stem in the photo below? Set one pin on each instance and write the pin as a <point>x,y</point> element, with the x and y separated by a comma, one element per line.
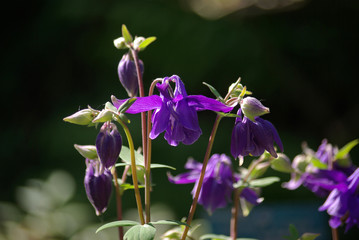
<point>203,171</point>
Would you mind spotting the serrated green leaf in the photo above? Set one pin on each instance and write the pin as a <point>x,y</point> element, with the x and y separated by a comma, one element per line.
<point>143,232</point>
<point>318,164</point>
<point>146,42</point>
<point>122,223</point>
<point>169,222</point>
<point>263,182</point>
<point>214,91</point>
<point>309,236</point>
<point>346,149</point>
<point>126,34</point>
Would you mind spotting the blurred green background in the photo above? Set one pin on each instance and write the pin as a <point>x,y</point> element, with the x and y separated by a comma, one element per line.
<point>299,57</point>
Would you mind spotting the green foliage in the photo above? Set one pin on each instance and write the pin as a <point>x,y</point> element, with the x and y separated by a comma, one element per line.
<point>294,234</point>
<point>87,151</point>
<point>214,91</point>
<point>143,232</point>
<point>263,182</point>
<point>221,237</point>
<point>146,42</point>
<point>122,223</point>
<point>346,149</point>
<point>126,34</point>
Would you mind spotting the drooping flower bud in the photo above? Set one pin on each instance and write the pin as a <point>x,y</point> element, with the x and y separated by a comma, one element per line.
<point>252,107</point>
<point>82,117</point>
<point>108,144</point>
<point>128,74</point>
<point>98,185</point>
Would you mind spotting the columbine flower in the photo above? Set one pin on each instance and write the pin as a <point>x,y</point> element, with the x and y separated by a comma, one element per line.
<point>175,112</point>
<point>343,205</point>
<point>98,185</point>
<point>321,181</point>
<point>217,182</point>
<point>252,138</point>
<point>128,74</point>
<point>108,144</point>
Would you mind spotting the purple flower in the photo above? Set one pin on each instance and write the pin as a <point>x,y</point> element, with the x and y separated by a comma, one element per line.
<point>128,74</point>
<point>321,180</point>
<point>252,138</point>
<point>98,185</point>
<point>108,144</point>
<point>175,112</point>
<point>343,204</point>
<point>217,182</point>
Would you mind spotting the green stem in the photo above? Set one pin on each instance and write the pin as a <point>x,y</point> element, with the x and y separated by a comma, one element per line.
<point>203,171</point>
<point>143,124</point>
<point>134,171</point>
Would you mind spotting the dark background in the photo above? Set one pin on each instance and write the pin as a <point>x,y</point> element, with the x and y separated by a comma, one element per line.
<point>58,57</point>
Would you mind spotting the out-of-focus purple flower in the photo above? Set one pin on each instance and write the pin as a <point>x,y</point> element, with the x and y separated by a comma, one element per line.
<point>321,181</point>
<point>252,138</point>
<point>128,74</point>
<point>108,144</point>
<point>175,112</point>
<point>98,185</point>
<point>217,182</point>
<point>343,204</point>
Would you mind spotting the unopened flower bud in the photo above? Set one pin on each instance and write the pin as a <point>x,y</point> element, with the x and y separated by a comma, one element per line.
<point>98,185</point>
<point>252,107</point>
<point>108,144</point>
<point>82,117</point>
<point>87,151</point>
<point>119,43</point>
<point>281,163</point>
<point>128,74</point>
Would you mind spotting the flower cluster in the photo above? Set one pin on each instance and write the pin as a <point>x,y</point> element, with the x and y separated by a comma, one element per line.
<point>217,183</point>
<point>330,174</point>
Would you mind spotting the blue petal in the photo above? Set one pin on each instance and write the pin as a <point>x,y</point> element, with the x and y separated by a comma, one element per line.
<point>204,103</point>
<point>160,121</point>
<point>142,104</point>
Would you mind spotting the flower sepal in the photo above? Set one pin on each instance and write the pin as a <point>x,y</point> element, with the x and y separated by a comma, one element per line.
<point>87,151</point>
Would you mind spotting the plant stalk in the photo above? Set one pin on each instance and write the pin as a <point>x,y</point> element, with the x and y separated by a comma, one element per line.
<point>335,235</point>
<point>134,171</point>
<point>143,127</point>
<point>203,171</point>
<point>118,203</point>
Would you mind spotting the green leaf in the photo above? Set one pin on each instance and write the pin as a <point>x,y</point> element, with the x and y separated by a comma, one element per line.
<point>111,107</point>
<point>146,42</point>
<point>156,165</point>
<point>214,91</point>
<point>346,149</point>
<point>309,236</point>
<point>125,155</point>
<point>227,114</point>
<point>263,182</point>
<point>126,105</point>
<point>318,164</point>
<point>169,222</point>
<point>221,237</point>
<point>143,232</point>
<point>126,34</point>
<point>122,223</point>
<point>293,231</point>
